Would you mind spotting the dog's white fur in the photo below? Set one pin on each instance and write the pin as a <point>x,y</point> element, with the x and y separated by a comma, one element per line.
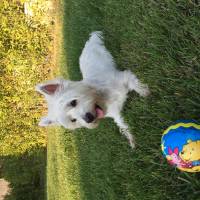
<point>102,85</point>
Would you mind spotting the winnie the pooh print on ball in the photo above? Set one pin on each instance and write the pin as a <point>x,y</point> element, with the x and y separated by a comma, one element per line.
<point>181,145</point>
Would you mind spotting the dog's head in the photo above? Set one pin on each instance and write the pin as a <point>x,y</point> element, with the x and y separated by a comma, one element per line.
<point>72,104</point>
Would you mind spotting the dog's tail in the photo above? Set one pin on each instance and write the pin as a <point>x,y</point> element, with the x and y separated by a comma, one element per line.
<point>96,37</point>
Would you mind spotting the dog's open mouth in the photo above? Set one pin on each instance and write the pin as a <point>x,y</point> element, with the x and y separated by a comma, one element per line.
<point>99,112</point>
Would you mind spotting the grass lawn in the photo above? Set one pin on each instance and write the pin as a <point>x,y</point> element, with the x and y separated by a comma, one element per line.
<point>160,42</point>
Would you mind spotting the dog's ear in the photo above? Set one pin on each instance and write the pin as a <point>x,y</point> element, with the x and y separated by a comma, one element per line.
<point>46,121</point>
<point>49,88</point>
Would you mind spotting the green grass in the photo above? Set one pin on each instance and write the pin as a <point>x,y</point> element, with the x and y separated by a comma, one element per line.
<point>160,42</point>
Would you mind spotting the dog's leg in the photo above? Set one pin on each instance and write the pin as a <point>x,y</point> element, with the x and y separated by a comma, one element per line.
<point>124,129</point>
<point>133,83</point>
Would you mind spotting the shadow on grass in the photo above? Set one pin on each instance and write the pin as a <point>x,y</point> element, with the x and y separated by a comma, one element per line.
<point>26,174</point>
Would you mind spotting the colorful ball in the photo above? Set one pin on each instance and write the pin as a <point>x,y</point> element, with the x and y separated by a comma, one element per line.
<point>181,145</point>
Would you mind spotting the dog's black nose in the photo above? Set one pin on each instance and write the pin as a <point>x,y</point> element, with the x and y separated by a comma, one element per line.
<point>89,118</point>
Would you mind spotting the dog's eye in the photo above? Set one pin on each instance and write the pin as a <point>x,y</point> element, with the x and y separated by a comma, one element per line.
<point>73,120</point>
<point>73,103</point>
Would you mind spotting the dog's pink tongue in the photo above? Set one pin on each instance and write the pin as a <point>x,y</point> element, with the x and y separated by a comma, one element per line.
<point>100,113</point>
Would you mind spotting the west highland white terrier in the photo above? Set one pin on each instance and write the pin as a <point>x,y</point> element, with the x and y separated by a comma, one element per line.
<point>101,93</point>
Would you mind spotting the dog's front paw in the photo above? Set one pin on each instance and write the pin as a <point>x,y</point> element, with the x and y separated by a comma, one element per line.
<point>129,136</point>
<point>143,90</point>
<point>135,84</point>
<point>132,143</point>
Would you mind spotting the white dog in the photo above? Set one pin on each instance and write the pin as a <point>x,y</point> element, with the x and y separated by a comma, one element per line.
<point>101,93</point>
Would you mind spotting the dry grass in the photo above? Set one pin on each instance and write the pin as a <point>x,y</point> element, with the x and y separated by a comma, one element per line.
<point>56,53</point>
